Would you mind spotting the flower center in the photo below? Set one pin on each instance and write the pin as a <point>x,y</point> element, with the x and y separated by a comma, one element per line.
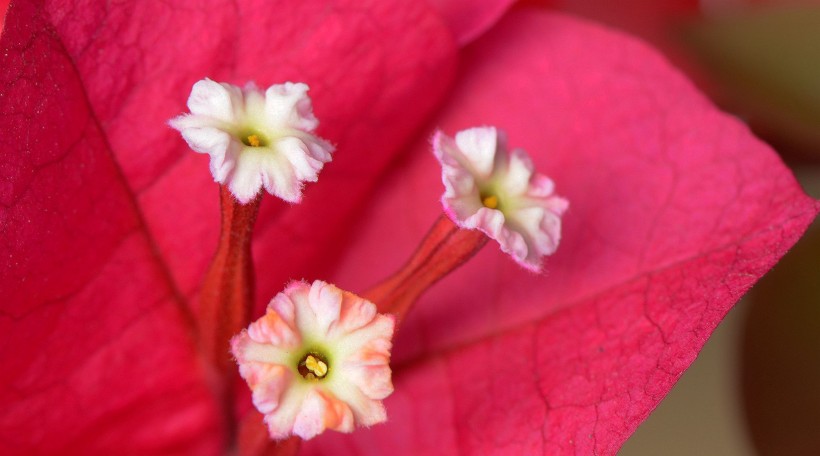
<point>253,139</point>
<point>489,200</point>
<point>313,367</point>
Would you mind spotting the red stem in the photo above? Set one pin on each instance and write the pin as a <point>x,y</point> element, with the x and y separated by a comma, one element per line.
<point>226,299</point>
<point>443,249</point>
<point>227,293</point>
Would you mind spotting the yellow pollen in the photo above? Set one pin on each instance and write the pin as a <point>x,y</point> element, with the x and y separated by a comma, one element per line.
<point>490,201</point>
<point>253,140</point>
<point>317,367</point>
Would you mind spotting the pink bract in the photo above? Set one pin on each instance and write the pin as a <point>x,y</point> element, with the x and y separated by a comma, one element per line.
<point>108,221</point>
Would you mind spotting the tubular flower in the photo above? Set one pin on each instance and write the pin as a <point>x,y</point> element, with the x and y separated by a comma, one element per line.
<point>318,359</point>
<point>255,139</point>
<point>498,192</point>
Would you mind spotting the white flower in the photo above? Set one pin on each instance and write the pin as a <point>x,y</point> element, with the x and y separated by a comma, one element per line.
<point>255,139</point>
<point>498,192</point>
<point>318,359</point>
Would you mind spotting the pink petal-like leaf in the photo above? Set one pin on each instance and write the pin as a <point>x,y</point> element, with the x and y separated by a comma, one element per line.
<point>675,211</point>
<point>468,19</point>
<point>80,250</point>
<point>96,353</point>
<point>4,7</point>
<point>138,65</point>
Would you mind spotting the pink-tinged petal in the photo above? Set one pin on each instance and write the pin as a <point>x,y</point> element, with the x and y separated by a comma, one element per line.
<point>478,145</point>
<point>355,313</point>
<point>277,326</point>
<point>370,101</point>
<point>375,381</point>
<point>284,304</point>
<point>280,423</point>
<point>541,185</point>
<point>326,303</point>
<point>366,407</point>
<point>96,351</point>
<point>322,411</point>
<point>519,172</point>
<point>491,222</point>
<point>268,382</point>
<point>369,375</point>
<point>676,211</point>
<point>487,188</point>
<point>295,295</point>
<point>370,344</point>
<point>335,379</point>
<point>468,19</point>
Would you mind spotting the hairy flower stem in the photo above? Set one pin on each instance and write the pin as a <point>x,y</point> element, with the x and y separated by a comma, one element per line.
<point>443,249</point>
<point>226,298</point>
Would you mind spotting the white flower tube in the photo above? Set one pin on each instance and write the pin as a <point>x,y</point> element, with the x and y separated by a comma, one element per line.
<point>499,193</point>
<point>255,139</point>
<point>318,359</point>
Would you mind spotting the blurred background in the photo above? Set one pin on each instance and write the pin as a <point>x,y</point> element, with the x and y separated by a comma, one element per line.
<point>755,388</point>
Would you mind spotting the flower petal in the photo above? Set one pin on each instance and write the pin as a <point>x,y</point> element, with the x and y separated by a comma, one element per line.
<point>218,101</point>
<point>477,146</point>
<point>487,187</point>
<point>676,210</point>
<point>278,325</point>
<point>344,370</point>
<point>370,99</point>
<point>269,382</point>
<point>468,19</point>
<point>97,355</point>
<point>325,301</point>
<point>322,411</point>
<point>288,106</point>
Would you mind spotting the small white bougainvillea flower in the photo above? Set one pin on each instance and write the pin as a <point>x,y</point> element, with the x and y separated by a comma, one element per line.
<point>255,139</point>
<point>318,359</point>
<point>498,192</point>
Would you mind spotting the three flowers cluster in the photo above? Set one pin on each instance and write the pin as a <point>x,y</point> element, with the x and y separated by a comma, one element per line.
<point>319,357</point>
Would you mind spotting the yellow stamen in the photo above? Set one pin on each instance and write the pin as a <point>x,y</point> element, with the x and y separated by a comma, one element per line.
<point>253,140</point>
<point>490,201</point>
<point>316,366</point>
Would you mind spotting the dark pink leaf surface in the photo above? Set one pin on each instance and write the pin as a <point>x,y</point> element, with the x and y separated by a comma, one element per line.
<point>675,210</point>
<point>90,307</point>
<point>138,65</point>
<point>4,6</point>
<point>96,355</point>
<point>468,19</point>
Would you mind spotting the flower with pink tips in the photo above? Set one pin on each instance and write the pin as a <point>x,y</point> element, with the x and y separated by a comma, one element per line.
<point>318,359</point>
<point>499,193</point>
